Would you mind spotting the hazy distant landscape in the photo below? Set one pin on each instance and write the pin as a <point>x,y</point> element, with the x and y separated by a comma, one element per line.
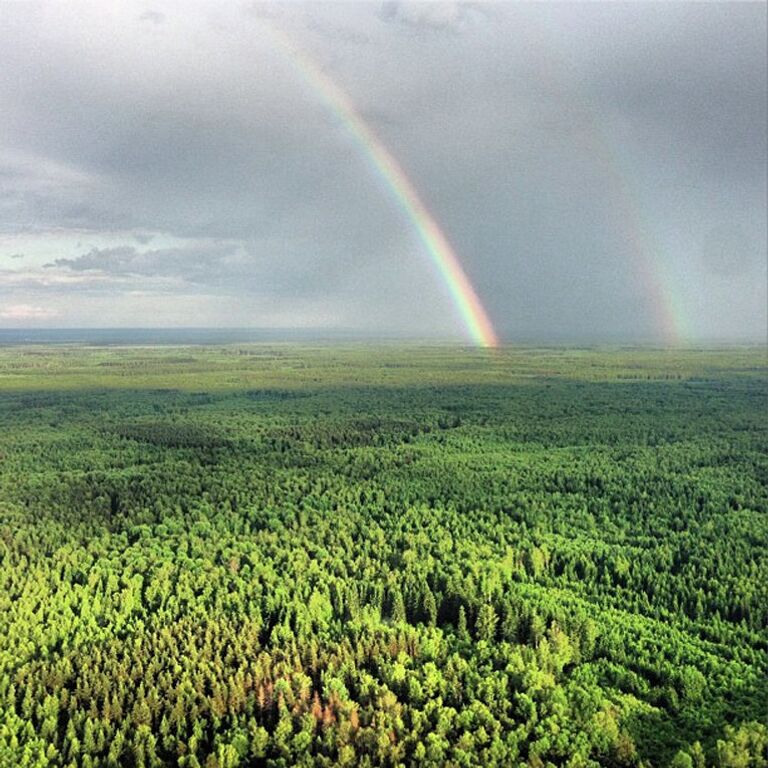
<point>167,336</point>
<point>382,555</point>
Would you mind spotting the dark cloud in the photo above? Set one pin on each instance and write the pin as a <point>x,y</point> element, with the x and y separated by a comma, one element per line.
<point>435,16</point>
<point>154,17</point>
<point>231,266</point>
<point>211,264</point>
<point>424,15</point>
<point>565,149</point>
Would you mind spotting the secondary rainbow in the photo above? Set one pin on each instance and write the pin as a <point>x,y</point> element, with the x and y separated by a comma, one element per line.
<point>465,298</point>
<point>665,303</point>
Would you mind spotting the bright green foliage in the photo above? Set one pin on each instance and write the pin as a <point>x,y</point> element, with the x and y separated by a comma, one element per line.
<point>236,556</point>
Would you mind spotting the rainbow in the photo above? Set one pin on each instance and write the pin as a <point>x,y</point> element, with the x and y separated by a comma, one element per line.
<point>468,305</point>
<point>665,304</point>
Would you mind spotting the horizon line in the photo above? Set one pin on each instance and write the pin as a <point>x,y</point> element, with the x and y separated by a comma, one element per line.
<point>387,336</point>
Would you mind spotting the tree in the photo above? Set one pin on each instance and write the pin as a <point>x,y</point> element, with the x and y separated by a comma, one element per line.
<point>485,629</point>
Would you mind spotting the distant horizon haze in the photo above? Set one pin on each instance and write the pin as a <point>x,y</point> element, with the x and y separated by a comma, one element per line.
<point>190,335</point>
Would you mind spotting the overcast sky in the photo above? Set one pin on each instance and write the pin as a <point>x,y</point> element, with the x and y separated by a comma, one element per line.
<point>164,164</point>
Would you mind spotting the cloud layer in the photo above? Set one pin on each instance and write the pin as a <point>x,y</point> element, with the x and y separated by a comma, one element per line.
<point>171,156</point>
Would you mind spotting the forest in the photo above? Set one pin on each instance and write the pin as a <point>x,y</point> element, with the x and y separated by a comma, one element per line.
<point>394,555</point>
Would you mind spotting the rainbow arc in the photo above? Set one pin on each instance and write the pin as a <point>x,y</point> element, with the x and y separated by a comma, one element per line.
<point>468,305</point>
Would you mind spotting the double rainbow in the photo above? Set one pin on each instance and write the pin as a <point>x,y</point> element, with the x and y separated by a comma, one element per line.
<point>468,305</point>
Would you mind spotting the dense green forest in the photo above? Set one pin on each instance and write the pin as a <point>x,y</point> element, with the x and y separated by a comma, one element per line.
<point>279,555</point>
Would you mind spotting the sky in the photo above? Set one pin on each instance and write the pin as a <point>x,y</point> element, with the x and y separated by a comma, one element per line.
<point>599,169</point>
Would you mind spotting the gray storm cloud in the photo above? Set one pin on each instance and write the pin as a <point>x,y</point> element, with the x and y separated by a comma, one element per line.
<point>564,149</point>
